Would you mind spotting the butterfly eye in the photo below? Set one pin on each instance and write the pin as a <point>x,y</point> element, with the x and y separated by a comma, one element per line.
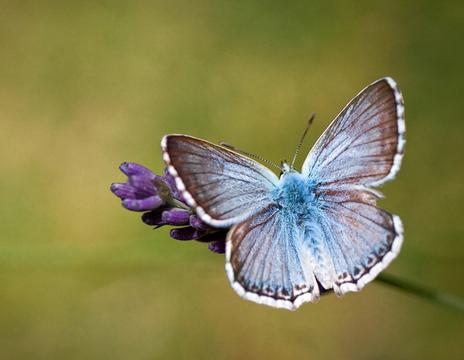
<point>284,167</point>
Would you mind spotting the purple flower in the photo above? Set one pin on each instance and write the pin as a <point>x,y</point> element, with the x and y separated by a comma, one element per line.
<point>163,204</point>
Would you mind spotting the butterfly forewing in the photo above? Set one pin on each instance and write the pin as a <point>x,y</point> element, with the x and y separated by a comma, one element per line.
<point>364,144</point>
<point>224,187</point>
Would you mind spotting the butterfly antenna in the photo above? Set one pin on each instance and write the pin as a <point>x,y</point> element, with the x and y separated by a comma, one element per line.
<point>300,144</point>
<point>228,146</point>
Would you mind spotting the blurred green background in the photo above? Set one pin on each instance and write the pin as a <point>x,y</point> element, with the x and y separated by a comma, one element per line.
<point>86,85</point>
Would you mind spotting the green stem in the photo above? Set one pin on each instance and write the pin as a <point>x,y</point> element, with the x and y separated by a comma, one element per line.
<point>437,297</point>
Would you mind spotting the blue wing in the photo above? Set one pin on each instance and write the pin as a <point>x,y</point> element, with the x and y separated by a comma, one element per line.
<point>268,262</point>
<point>223,186</point>
<point>352,239</point>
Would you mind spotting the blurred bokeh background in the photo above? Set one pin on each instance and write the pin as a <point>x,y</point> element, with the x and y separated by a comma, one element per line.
<point>86,85</point>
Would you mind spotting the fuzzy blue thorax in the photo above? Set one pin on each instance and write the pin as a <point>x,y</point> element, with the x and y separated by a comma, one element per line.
<point>295,195</point>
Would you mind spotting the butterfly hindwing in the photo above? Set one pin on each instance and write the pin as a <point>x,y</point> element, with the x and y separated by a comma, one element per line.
<point>360,238</point>
<point>268,263</point>
<point>223,186</point>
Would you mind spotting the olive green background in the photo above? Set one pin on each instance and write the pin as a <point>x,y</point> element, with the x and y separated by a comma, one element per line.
<point>86,85</point>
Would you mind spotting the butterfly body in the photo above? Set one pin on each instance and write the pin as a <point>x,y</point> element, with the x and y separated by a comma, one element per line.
<point>295,197</point>
<point>292,237</point>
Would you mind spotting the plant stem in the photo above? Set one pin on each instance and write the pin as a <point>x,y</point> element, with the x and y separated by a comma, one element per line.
<point>437,297</point>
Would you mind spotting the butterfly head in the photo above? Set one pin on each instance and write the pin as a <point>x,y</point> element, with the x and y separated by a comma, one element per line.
<point>285,168</point>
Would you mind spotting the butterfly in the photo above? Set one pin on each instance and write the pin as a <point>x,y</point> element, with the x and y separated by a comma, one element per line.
<point>294,236</point>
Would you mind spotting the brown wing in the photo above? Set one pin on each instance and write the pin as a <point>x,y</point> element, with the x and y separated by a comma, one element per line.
<point>222,186</point>
<point>364,144</point>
